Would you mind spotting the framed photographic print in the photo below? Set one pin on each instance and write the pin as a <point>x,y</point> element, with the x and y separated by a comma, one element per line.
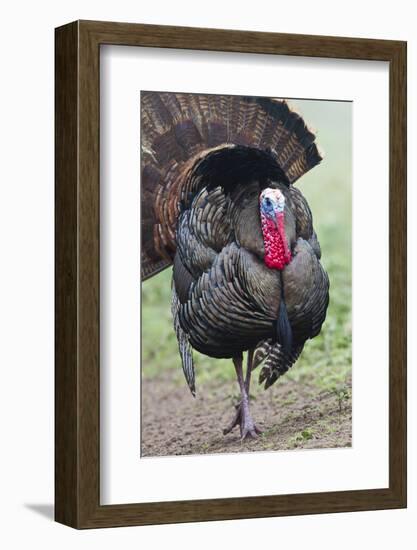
<point>230,274</point>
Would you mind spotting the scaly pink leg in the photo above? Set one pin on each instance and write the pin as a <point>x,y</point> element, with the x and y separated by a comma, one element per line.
<point>243,418</point>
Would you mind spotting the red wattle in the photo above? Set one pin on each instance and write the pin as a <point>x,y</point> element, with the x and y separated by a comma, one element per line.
<point>277,253</point>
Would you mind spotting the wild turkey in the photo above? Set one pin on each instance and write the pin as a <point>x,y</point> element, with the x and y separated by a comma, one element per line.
<point>218,202</point>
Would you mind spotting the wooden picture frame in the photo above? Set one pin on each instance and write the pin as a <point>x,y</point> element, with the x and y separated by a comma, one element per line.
<point>77,405</point>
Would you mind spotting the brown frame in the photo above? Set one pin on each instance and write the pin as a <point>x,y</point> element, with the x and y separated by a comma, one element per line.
<point>77,274</point>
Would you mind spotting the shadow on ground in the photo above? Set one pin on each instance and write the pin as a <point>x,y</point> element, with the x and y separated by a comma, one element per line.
<point>45,510</point>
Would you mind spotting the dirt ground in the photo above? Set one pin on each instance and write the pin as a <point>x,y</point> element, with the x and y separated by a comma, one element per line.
<point>291,415</point>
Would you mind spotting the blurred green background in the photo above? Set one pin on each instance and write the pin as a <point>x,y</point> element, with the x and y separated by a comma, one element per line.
<point>326,360</point>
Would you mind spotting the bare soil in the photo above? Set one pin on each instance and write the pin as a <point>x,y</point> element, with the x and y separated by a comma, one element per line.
<point>292,415</point>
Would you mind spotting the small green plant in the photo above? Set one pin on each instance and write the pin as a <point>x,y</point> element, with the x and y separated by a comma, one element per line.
<point>342,394</point>
<point>301,437</point>
<point>307,434</point>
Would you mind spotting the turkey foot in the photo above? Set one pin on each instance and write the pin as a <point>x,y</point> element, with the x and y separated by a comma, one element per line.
<point>243,418</point>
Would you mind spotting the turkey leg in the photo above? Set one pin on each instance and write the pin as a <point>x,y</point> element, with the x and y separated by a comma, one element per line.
<point>243,418</point>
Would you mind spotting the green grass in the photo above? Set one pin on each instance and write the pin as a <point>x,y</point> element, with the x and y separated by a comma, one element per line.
<point>159,342</point>
<point>326,360</point>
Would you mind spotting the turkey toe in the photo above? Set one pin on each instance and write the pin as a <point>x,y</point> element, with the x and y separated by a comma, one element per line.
<point>235,422</point>
<point>243,419</point>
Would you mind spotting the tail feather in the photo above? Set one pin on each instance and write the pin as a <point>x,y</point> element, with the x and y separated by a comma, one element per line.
<point>177,128</point>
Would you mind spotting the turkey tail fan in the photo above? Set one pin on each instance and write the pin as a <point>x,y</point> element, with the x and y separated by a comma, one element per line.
<point>180,130</point>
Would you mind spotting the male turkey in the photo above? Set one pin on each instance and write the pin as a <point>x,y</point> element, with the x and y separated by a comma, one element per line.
<point>218,202</point>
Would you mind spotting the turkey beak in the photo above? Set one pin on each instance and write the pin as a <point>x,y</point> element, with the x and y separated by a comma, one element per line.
<point>278,215</point>
<point>275,219</point>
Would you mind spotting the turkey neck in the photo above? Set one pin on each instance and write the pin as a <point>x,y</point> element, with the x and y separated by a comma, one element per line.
<point>277,252</point>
